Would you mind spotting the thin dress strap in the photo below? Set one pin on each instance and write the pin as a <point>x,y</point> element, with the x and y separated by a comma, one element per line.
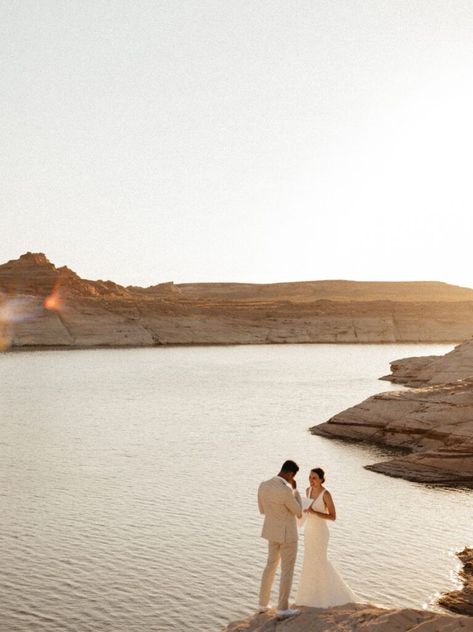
<point>321,495</point>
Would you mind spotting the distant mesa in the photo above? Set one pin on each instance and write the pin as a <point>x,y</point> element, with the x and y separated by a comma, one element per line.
<point>161,289</point>
<point>105,313</point>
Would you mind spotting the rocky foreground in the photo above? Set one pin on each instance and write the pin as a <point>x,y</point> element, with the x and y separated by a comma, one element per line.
<point>356,618</point>
<point>461,601</point>
<point>433,422</point>
<point>43,306</point>
<point>370,618</point>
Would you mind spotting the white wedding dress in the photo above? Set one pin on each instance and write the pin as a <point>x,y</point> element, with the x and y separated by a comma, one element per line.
<point>320,585</point>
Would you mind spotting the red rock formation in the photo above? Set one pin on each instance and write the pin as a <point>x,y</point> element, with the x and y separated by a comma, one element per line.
<point>92,313</point>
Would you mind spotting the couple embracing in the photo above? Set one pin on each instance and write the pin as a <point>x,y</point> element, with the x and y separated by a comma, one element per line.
<point>320,584</point>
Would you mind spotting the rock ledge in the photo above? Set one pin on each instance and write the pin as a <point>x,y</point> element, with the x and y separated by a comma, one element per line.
<point>433,422</point>
<point>355,618</point>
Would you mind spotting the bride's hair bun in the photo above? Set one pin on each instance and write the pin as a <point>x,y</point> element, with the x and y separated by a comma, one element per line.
<point>320,473</point>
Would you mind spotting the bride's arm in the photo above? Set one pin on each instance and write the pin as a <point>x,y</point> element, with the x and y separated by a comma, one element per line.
<point>330,507</point>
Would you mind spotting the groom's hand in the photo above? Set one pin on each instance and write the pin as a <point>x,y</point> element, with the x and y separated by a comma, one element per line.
<point>294,483</point>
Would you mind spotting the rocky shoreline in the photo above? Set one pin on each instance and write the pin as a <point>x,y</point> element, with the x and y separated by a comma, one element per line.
<point>355,618</point>
<point>430,370</point>
<point>461,601</point>
<point>433,420</point>
<point>371,618</point>
<point>42,306</point>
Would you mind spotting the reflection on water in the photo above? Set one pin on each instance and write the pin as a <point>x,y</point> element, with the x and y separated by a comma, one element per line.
<point>128,482</point>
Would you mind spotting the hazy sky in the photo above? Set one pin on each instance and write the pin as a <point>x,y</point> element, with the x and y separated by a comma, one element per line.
<point>203,140</point>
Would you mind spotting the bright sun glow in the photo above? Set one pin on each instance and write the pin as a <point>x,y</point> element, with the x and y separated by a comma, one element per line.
<point>53,301</point>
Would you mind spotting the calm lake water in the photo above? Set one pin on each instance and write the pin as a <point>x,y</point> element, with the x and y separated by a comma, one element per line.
<point>129,477</point>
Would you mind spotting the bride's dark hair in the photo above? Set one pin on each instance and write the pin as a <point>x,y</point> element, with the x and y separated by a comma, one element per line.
<point>320,473</point>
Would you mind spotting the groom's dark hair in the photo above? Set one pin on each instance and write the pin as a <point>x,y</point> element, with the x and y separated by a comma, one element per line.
<point>290,466</point>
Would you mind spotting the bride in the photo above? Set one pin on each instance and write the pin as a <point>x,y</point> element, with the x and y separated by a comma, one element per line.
<point>320,584</point>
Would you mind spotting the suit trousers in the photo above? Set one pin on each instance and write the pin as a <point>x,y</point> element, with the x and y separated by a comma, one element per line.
<point>286,554</point>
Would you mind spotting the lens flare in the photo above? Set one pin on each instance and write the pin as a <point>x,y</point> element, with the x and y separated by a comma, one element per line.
<point>53,301</point>
<point>13,311</point>
<point>20,309</point>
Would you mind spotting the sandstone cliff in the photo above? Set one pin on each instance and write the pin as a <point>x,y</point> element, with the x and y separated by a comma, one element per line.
<point>355,618</point>
<point>64,310</point>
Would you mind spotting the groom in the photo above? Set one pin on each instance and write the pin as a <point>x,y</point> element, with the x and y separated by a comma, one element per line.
<point>280,502</point>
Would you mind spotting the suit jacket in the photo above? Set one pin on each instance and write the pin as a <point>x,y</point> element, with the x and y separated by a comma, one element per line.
<point>280,506</point>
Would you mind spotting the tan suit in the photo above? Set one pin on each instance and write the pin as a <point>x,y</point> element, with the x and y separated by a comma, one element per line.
<point>280,505</point>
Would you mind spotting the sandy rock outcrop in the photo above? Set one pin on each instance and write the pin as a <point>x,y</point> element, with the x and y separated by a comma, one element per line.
<point>356,618</point>
<point>456,365</point>
<point>435,424</point>
<point>408,371</point>
<point>461,601</point>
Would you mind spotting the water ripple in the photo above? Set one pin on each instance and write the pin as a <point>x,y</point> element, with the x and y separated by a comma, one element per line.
<point>129,477</point>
